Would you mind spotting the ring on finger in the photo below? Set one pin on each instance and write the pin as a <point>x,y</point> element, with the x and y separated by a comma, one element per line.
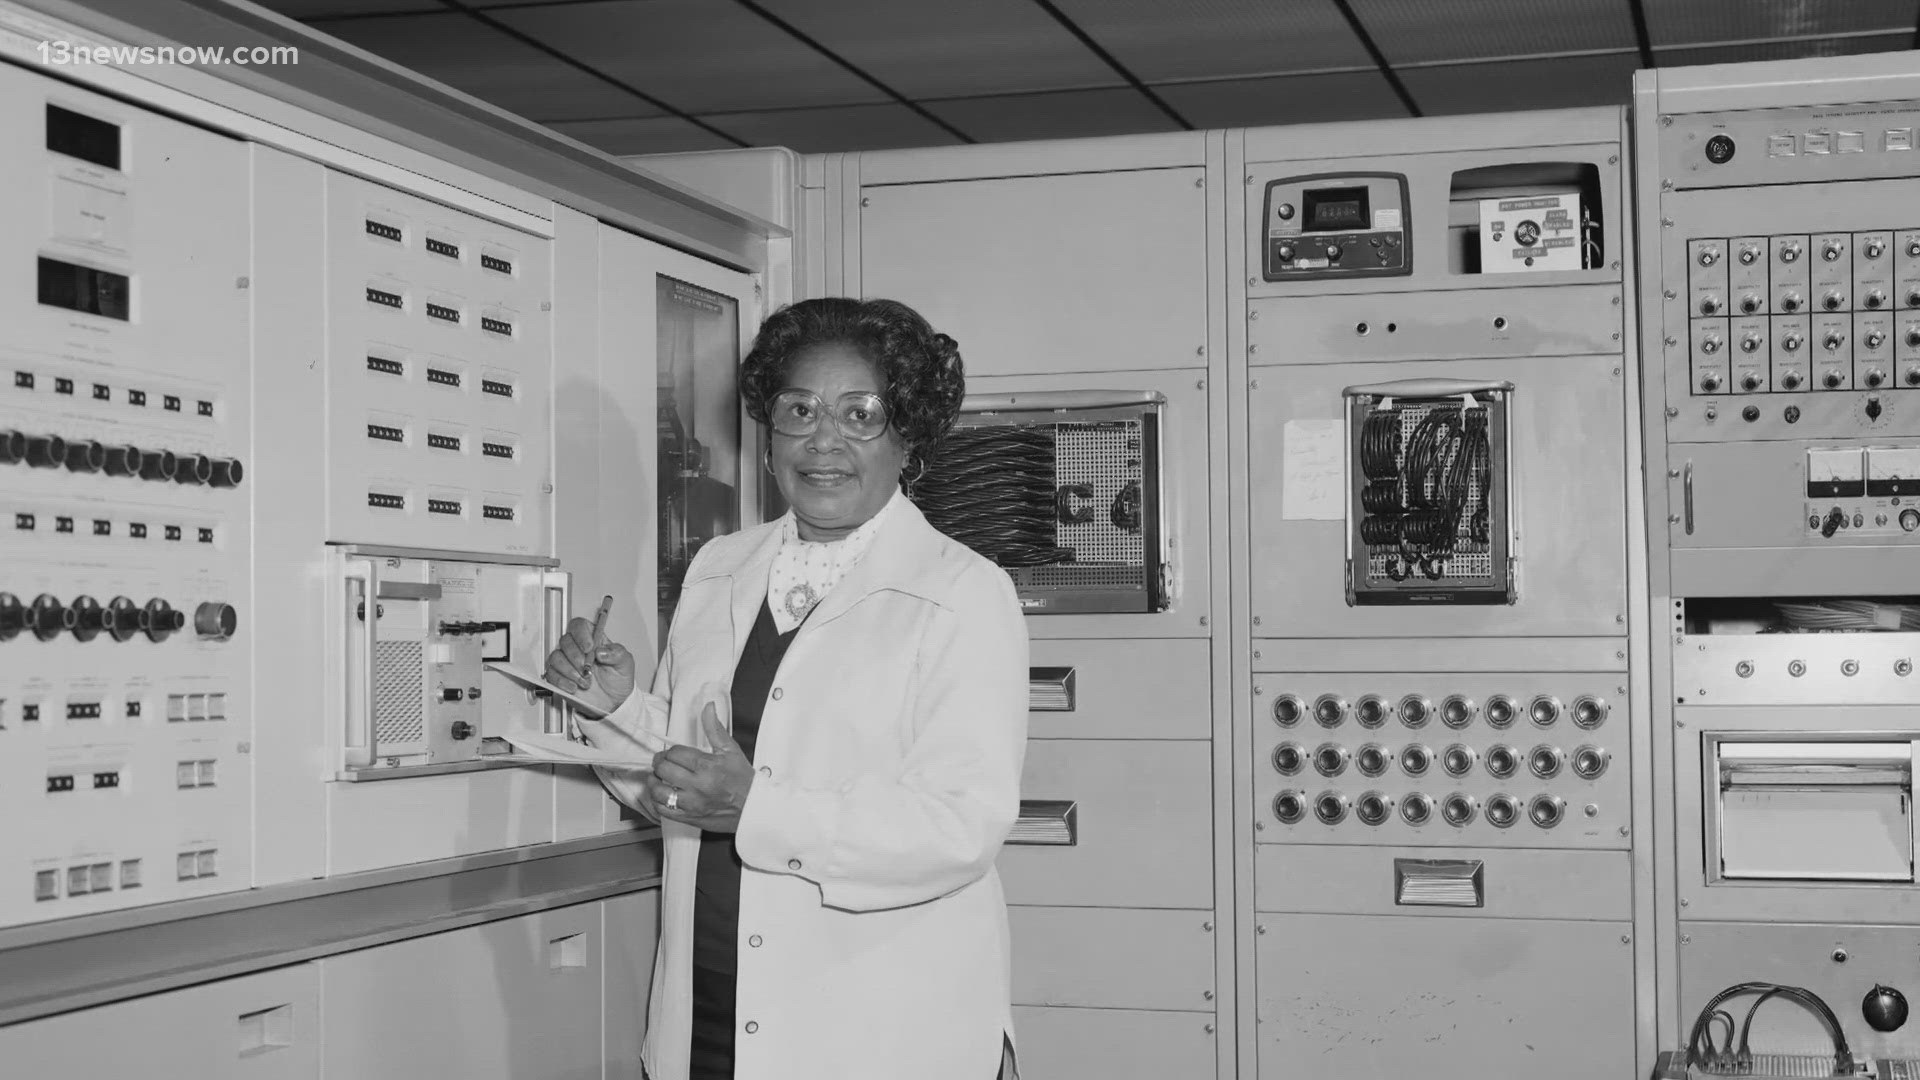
<point>673,800</point>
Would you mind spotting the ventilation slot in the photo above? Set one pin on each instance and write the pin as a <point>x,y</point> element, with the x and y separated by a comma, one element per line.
<point>443,312</point>
<point>384,366</point>
<point>496,264</point>
<point>496,326</point>
<point>443,442</point>
<point>443,378</point>
<point>497,513</point>
<point>383,298</point>
<point>398,705</point>
<point>386,433</point>
<point>497,450</point>
<point>450,507</point>
<point>384,500</point>
<point>383,230</point>
<point>496,387</point>
<point>441,247</point>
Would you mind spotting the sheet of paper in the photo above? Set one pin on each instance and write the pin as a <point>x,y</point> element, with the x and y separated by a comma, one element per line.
<point>1313,471</point>
<point>522,675</point>
<point>540,748</point>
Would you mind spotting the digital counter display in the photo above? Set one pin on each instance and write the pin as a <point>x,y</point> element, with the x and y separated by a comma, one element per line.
<point>1334,209</point>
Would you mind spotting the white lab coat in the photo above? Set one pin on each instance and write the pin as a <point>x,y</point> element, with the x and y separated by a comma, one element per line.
<point>873,939</point>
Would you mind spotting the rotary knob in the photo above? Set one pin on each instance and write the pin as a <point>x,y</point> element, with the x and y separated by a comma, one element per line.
<point>1791,341</point>
<point>197,469</point>
<point>1285,252</point>
<point>1709,256</point>
<point>122,618</point>
<point>1750,343</point>
<point>161,620</point>
<point>1876,298</point>
<point>1831,251</point>
<point>1333,252</point>
<point>13,447</point>
<point>1875,249</point>
<point>46,451</point>
<point>13,615</point>
<point>1749,254</point>
<point>1749,304</point>
<point>215,620</point>
<point>1790,380</point>
<point>1750,381</point>
<point>1710,343</point>
<point>89,618</point>
<point>1834,340</point>
<point>1913,376</point>
<point>1710,382</point>
<point>1876,338</point>
<point>1710,305</point>
<point>48,617</point>
<point>1874,377</point>
<point>1791,302</point>
<point>1909,521</point>
<point>86,456</point>
<point>160,465</point>
<point>1832,380</point>
<point>1790,251</point>
<point>124,461</point>
<point>1833,301</point>
<point>226,473</point>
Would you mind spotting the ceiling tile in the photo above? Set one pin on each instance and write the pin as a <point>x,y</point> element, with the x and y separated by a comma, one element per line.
<point>828,130</point>
<point>1219,39</point>
<point>1699,22</point>
<point>471,56</point>
<point>1067,114</point>
<point>643,135</point>
<point>1295,99</point>
<point>326,9</point>
<point>1416,31</point>
<point>938,48</point>
<point>698,55</point>
<point>1785,50</point>
<point>1564,82</point>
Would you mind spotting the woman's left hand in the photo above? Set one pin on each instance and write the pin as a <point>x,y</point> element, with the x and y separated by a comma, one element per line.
<point>705,789</point>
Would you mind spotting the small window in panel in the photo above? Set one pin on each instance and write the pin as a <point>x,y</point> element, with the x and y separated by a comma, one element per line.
<point>699,427</point>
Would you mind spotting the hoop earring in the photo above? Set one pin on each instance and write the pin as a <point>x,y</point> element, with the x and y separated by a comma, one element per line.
<point>766,459</point>
<point>907,485</point>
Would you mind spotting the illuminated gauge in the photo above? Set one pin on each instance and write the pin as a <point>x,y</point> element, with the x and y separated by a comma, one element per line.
<point>1458,760</point>
<point>1500,710</point>
<point>1545,761</point>
<point>1417,809</point>
<point>1330,710</point>
<point>1589,712</point>
<point>1502,762</point>
<point>1287,710</point>
<point>1458,712</point>
<point>1546,810</point>
<point>1330,808</point>
<point>1371,712</point>
<point>1503,811</point>
<point>1372,760</point>
<point>1415,711</point>
<point>1416,760</point>
<point>1331,759</point>
<point>1589,762</point>
<point>1373,808</point>
<point>1544,711</point>
<point>1289,758</point>
<point>1459,810</point>
<point>1290,807</point>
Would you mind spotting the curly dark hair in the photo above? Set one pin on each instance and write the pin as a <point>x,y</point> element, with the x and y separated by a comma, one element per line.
<point>919,367</point>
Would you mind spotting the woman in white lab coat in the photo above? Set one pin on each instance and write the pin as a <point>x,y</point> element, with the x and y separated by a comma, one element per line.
<point>848,687</point>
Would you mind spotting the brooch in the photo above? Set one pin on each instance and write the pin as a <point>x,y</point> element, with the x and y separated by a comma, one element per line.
<point>800,600</point>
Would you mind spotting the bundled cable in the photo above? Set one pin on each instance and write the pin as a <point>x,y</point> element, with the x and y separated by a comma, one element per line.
<point>1737,1058</point>
<point>1858,613</point>
<point>1417,495</point>
<point>1380,446</point>
<point>994,491</point>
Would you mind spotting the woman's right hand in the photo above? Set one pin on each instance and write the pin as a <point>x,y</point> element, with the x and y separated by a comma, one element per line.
<point>591,666</point>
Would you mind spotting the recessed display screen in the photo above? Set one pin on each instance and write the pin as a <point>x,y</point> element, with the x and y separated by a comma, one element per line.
<point>82,288</point>
<point>1334,209</point>
<point>83,137</point>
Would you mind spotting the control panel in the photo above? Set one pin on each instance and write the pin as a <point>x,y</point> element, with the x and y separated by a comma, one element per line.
<point>1398,760</point>
<point>439,366</point>
<point>125,539</point>
<point>1352,226</point>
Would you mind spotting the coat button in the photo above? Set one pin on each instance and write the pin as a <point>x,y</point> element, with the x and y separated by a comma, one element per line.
<point>766,770</point>
<point>793,864</point>
<point>754,941</point>
<point>776,693</point>
<point>752,1027</point>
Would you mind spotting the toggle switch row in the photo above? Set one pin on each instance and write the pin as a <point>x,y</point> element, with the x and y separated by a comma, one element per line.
<point>88,456</point>
<point>120,618</point>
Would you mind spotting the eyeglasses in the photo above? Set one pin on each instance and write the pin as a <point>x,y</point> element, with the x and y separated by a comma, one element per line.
<point>859,416</point>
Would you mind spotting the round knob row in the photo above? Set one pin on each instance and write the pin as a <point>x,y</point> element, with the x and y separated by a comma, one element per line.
<point>88,456</point>
<point>120,618</point>
<point>1458,809</point>
<point>1456,711</point>
<point>1543,761</point>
